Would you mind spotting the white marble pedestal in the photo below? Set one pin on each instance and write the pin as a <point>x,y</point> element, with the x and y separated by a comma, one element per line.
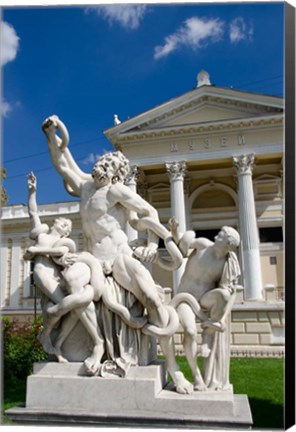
<point>59,394</point>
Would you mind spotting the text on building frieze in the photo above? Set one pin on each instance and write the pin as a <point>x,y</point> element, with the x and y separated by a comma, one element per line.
<point>208,143</point>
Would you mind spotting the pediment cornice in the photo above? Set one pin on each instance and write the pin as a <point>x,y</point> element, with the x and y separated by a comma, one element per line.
<point>200,128</point>
<point>154,120</point>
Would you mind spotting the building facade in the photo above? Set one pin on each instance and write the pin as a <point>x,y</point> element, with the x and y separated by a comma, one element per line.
<point>210,157</point>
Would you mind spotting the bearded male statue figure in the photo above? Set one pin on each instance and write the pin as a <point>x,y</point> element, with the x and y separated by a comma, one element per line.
<point>106,205</point>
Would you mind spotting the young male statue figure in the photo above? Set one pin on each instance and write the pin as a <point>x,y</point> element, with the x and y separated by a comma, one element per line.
<point>105,203</point>
<point>210,275</point>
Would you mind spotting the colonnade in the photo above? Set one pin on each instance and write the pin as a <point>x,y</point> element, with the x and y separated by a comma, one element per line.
<point>248,228</point>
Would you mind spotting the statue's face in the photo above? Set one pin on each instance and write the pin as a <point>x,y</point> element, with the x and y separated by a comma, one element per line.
<point>221,239</point>
<point>63,226</point>
<point>102,170</point>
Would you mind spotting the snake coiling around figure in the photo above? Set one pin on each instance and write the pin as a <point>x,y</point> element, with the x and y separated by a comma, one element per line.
<point>122,311</point>
<point>173,320</point>
<point>95,266</point>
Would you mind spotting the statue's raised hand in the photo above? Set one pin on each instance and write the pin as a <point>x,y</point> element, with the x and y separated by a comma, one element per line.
<point>32,182</point>
<point>173,224</point>
<point>50,124</point>
<point>146,254</point>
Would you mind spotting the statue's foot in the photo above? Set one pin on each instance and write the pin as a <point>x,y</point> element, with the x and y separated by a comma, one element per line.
<point>61,358</point>
<point>93,363</point>
<point>59,355</point>
<point>199,385</point>
<point>182,385</point>
<point>92,366</point>
<point>215,325</point>
<point>205,350</point>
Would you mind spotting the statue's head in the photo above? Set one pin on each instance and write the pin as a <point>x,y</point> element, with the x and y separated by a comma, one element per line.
<point>228,237</point>
<point>63,226</point>
<point>111,166</point>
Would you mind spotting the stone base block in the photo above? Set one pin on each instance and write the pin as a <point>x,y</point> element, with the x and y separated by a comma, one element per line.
<point>61,394</point>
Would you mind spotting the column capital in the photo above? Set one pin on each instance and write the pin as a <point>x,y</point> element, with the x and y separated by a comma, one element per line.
<point>176,170</point>
<point>244,163</point>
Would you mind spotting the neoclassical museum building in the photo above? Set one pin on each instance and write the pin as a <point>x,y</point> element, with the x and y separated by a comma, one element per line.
<point>210,157</point>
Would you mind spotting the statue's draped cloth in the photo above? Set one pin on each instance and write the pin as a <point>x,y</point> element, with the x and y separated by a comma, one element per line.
<point>122,343</point>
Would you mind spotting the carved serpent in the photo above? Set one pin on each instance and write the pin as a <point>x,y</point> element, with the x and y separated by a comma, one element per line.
<point>122,311</point>
<point>100,291</point>
<point>173,322</point>
<point>148,223</point>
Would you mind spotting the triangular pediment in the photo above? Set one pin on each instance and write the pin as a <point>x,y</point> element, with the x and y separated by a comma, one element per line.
<point>200,107</point>
<point>203,114</point>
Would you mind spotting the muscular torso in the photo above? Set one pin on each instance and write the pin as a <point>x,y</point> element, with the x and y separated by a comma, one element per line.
<point>103,222</point>
<point>43,262</point>
<point>202,272</point>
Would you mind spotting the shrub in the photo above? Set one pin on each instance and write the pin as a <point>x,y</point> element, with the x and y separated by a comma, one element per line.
<point>21,347</point>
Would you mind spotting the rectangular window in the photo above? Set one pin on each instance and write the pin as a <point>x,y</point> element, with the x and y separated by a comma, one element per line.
<point>271,235</point>
<point>272,260</point>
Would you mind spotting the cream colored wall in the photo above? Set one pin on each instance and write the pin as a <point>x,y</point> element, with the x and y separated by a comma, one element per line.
<point>273,274</point>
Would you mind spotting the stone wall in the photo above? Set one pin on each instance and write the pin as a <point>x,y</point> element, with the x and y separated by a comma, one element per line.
<point>257,330</point>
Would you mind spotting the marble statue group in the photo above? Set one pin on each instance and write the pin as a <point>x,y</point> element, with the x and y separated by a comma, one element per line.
<point>108,291</point>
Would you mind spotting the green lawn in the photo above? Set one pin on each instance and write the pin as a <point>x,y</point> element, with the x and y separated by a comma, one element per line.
<point>263,381</point>
<point>260,379</point>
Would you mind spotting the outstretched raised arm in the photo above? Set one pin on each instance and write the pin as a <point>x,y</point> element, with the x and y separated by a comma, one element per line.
<point>32,204</point>
<point>61,156</point>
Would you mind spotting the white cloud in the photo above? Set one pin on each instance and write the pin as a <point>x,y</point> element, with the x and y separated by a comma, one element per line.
<point>128,16</point>
<point>9,43</point>
<point>195,33</point>
<point>5,108</point>
<point>240,31</point>
<point>90,159</point>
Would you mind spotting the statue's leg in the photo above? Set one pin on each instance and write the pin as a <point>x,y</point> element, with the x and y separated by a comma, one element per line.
<point>134,277</point>
<point>68,323</point>
<point>77,278</point>
<point>51,291</point>
<point>187,320</point>
<point>49,286</point>
<point>182,385</point>
<point>88,318</point>
<point>48,324</point>
<point>215,302</point>
<point>81,298</point>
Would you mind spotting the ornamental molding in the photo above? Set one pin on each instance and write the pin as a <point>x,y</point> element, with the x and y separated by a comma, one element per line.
<point>198,129</point>
<point>215,102</point>
<point>212,184</point>
<point>176,170</point>
<point>205,95</point>
<point>21,211</point>
<point>244,164</point>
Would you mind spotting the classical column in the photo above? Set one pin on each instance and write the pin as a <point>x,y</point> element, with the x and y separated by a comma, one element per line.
<point>248,228</point>
<point>131,182</point>
<point>188,215</point>
<point>177,171</point>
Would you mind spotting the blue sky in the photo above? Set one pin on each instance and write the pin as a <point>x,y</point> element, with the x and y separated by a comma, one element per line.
<point>87,64</point>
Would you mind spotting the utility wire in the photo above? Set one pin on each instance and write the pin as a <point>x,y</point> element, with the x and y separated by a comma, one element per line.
<point>99,139</point>
<point>46,152</point>
<point>259,81</point>
<point>35,170</point>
